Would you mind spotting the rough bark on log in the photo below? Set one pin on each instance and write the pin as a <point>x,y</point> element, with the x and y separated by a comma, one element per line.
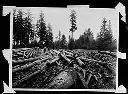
<point>92,60</point>
<point>108,53</point>
<point>80,62</point>
<point>65,58</point>
<point>57,52</point>
<point>82,80</point>
<point>69,56</point>
<point>30,53</point>
<point>54,60</point>
<point>63,80</point>
<point>21,49</point>
<point>69,53</point>
<point>25,60</point>
<point>29,76</point>
<point>25,78</point>
<point>27,65</point>
<point>27,52</point>
<point>89,77</point>
<point>84,72</point>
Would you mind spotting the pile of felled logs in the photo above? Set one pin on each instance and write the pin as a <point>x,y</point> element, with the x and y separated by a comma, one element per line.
<point>43,68</point>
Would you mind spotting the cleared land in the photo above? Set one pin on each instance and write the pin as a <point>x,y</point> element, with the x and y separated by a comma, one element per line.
<point>54,69</point>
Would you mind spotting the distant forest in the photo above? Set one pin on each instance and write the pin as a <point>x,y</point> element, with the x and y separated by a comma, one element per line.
<point>26,34</point>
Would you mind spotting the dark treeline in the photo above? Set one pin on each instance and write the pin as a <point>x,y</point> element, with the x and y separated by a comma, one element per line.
<point>26,34</point>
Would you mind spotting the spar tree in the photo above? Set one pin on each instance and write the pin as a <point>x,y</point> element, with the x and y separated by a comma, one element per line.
<point>72,29</point>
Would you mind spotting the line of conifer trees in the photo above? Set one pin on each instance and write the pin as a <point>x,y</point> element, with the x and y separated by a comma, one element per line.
<point>26,34</point>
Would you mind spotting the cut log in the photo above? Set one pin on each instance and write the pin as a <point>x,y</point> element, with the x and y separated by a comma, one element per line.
<point>69,56</point>
<point>21,49</point>
<point>84,72</point>
<point>30,53</point>
<point>69,53</point>
<point>82,80</point>
<point>28,65</point>
<point>25,60</point>
<point>92,60</point>
<point>108,53</point>
<point>77,67</point>
<point>25,78</point>
<point>27,52</point>
<point>54,60</point>
<point>57,52</point>
<point>89,77</point>
<point>29,76</point>
<point>80,62</point>
<point>65,58</point>
<point>63,80</point>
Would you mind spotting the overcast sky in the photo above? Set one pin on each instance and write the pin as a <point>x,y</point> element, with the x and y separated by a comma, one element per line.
<point>86,18</point>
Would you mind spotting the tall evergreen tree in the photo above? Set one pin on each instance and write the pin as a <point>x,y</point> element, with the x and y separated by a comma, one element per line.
<point>104,38</point>
<point>41,27</point>
<point>85,41</point>
<point>18,34</point>
<point>15,38</point>
<point>63,42</point>
<point>27,28</point>
<point>73,22</point>
<point>59,38</point>
<point>49,36</point>
<point>71,44</point>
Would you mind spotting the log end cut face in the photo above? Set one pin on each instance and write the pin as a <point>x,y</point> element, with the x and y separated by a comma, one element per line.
<point>64,80</point>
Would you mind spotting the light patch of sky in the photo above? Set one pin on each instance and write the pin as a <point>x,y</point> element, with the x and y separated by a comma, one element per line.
<point>86,18</point>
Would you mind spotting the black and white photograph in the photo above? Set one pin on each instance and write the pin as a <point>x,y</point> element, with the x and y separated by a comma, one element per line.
<point>64,48</point>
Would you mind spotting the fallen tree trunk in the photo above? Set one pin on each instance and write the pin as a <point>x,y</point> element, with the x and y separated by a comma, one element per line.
<point>69,53</point>
<point>82,80</point>
<point>54,60</point>
<point>25,60</point>
<point>57,52</point>
<point>25,78</point>
<point>21,49</point>
<point>65,58</point>
<point>69,56</point>
<point>63,80</point>
<point>103,64</point>
<point>92,60</point>
<point>29,76</point>
<point>27,65</point>
<point>80,62</point>
<point>108,53</point>
<point>29,53</point>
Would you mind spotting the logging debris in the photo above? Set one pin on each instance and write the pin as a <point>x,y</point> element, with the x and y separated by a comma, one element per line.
<point>43,68</point>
